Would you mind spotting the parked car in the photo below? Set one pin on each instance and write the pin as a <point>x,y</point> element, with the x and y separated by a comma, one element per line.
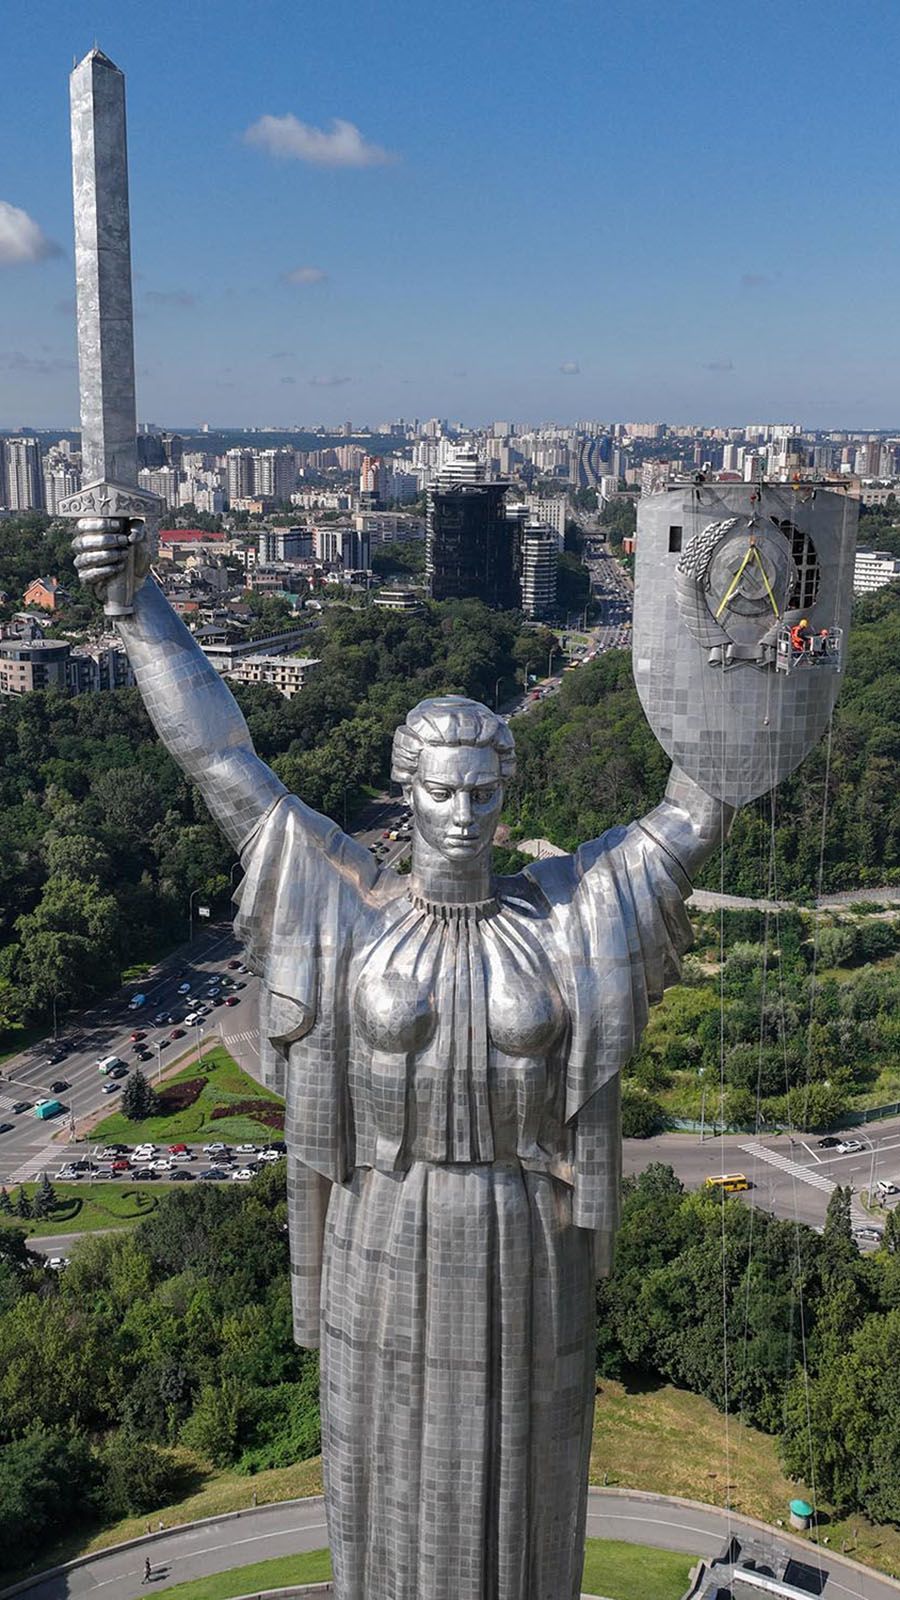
<point>868,1233</point>
<point>830,1142</point>
<point>184,988</point>
<point>232,1000</point>
<point>234,965</point>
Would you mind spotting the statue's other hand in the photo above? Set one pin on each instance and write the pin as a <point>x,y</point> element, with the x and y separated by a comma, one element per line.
<point>102,546</point>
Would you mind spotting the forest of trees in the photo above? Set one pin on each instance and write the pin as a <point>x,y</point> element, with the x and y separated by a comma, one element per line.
<point>800,1022</point>
<point>189,1320</point>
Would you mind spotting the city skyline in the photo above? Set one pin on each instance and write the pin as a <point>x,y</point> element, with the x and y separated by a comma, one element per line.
<point>579,216</point>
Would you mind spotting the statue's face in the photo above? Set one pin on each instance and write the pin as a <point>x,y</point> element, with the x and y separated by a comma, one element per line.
<point>456,798</point>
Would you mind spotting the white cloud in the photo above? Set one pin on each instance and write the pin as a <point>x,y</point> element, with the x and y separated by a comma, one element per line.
<point>570,368</point>
<point>303,275</point>
<point>21,239</point>
<point>341,145</point>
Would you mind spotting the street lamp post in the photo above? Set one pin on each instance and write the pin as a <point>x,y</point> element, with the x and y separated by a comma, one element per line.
<point>550,654</point>
<point>193,896</point>
<point>497,692</point>
<point>158,1048</point>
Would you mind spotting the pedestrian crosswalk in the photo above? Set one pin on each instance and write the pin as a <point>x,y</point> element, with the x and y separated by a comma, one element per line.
<point>774,1158</point>
<point>250,1036</point>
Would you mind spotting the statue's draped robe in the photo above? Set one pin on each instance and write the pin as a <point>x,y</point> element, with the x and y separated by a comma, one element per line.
<point>451,1079</point>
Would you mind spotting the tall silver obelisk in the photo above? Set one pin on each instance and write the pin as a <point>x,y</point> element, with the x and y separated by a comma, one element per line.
<point>105,320</point>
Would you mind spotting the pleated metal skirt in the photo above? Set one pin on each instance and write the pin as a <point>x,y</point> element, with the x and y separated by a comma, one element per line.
<point>457,1385</point>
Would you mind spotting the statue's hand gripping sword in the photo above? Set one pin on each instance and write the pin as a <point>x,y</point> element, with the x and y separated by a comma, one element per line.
<point>105,319</point>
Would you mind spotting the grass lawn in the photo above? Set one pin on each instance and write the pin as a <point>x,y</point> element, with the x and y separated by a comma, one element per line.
<point>618,1571</point>
<point>634,1571</point>
<point>86,1207</point>
<point>225,1086</point>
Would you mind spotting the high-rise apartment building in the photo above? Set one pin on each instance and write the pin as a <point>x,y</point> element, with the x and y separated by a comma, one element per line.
<point>551,512</point>
<point>241,475</point>
<point>61,478</point>
<point>275,474</point>
<point>24,475</point>
<point>538,558</point>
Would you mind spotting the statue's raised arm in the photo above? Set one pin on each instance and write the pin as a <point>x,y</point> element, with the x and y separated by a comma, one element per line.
<point>192,709</point>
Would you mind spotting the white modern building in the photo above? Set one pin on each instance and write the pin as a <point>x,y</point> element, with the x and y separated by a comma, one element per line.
<point>551,511</point>
<point>24,477</point>
<point>873,569</point>
<point>539,560</point>
<point>287,674</point>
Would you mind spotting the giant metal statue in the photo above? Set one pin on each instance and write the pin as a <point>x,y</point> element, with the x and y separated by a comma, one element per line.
<point>451,1044</point>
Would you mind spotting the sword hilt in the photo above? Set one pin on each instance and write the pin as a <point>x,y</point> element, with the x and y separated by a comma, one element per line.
<point>119,600</point>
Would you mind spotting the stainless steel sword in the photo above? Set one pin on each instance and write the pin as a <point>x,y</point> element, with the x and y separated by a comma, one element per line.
<point>105,321</point>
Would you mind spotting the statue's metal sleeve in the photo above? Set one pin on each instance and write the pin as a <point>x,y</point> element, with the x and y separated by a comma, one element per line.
<point>451,1072</point>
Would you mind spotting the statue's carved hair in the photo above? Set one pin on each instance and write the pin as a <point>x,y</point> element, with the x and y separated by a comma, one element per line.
<point>451,720</point>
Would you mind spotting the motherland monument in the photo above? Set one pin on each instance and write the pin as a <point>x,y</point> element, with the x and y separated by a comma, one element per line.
<point>450,1043</point>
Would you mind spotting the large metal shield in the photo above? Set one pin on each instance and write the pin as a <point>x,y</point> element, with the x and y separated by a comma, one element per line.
<point>741,614</point>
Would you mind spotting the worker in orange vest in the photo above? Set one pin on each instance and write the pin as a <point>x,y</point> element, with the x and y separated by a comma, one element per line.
<point>800,636</point>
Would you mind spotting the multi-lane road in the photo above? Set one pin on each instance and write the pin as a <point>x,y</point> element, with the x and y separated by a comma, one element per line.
<point>221,1544</point>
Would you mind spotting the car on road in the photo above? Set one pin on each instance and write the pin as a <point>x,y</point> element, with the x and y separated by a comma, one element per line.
<point>177,1033</point>
<point>184,988</point>
<point>110,1152</point>
<point>142,1055</point>
<point>162,1164</point>
<point>213,1172</point>
<point>108,1062</point>
<point>6,1127</point>
<point>849,1147</point>
<point>139,1033</point>
<point>269,1155</point>
<point>59,1085</point>
<point>245,1149</point>
<point>136,1001</point>
<point>181,1175</point>
<point>20,1106</point>
<point>868,1233</point>
<point>65,1175</point>
<point>178,1150</point>
<point>241,1175</point>
<point>144,1175</point>
<point>278,1145</point>
<point>217,1149</point>
<point>118,1072</point>
<point>830,1142</point>
<point>110,1088</point>
<point>886,1186</point>
<point>121,1165</point>
<point>159,1020</point>
<point>232,1000</point>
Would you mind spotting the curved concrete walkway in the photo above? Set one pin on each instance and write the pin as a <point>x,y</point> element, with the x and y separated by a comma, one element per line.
<point>198,1549</point>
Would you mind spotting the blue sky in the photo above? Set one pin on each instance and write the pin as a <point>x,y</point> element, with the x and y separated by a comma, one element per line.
<point>541,210</point>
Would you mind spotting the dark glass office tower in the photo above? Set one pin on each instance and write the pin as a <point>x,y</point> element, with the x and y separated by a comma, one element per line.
<point>470,545</point>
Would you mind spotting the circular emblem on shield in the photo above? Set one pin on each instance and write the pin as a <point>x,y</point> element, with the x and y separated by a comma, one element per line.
<point>734,583</point>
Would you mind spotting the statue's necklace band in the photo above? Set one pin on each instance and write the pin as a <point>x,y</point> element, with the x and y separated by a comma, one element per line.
<point>468,911</point>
